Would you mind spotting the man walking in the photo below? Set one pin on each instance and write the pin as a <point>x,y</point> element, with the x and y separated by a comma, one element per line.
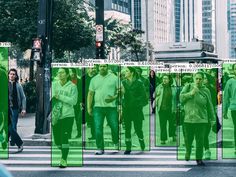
<point>17,98</point>
<point>103,89</point>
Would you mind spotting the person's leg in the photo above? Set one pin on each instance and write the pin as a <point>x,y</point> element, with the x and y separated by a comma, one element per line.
<point>112,119</point>
<point>128,140</point>
<point>66,125</point>
<point>233,115</point>
<point>15,113</point>
<point>189,136</point>
<point>98,117</point>
<point>200,130</point>
<point>78,121</point>
<point>163,122</point>
<point>172,125</point>
<point>15,137</point>
<point>138,127</point>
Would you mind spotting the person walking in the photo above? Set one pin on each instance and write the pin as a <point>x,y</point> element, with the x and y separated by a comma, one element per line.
<point>64,98</point>
<point>103,92</point>
<point>133,102</point>
<point>17,98</point>
<point>229,101</point>
<point>199,111</point>
<point>166,106</point>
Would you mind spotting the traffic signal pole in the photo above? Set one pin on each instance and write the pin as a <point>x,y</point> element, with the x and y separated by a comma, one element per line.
<point>43,76</point>
<point>100,41</point>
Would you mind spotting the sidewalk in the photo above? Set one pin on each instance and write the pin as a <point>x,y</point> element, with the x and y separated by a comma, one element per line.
<point>26,127</point>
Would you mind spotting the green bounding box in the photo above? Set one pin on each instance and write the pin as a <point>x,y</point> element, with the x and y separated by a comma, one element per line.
<point>3,103</point>
<point>229,111</point>
<point>102,90</point>
<point>66,116</point>
<point>166,108</point>
<point>198,109</point>
<point>135,109</point>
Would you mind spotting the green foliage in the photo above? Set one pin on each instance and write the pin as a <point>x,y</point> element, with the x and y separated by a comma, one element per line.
<point>71,29</point>
<point>30,93</point>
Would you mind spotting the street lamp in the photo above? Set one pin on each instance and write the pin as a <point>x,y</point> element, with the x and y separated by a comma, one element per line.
<point>147,42</point>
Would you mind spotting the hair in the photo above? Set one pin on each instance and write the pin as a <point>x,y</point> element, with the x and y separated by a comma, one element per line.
<point>67,73</point>
<point>133,70</point>
<point>234,65</point>
<point>200,73</point>
<point>73,70</point>
<point>169,77</point>
<point>14,70</point>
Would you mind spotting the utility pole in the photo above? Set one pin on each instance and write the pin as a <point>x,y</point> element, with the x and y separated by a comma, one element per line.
<point>100,41</point>
<point>43,58</point>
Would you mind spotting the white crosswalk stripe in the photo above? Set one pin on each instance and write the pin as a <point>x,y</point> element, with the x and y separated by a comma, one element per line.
<point>38,158</point>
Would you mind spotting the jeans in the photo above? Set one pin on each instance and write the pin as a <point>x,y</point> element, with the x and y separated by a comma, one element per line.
<point>197,131</point>
<point>99,113</point>
<point>14,136</point>
<point>14,118</point>
<point>233,115</point>
<point>164,117</point>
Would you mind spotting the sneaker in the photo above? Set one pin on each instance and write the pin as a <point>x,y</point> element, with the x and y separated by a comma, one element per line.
<point>99,152</point>
<point>63,163</point>
<point>207,154</point>
<point>20,148</point>
<point>127,152</point>
<point>200,163</point>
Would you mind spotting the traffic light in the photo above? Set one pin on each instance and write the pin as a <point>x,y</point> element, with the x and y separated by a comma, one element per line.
<point>99,50</point>
<point>37,49</point>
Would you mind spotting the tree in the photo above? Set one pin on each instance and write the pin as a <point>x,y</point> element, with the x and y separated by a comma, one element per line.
<point>71,29</point>
<point>123,36</point>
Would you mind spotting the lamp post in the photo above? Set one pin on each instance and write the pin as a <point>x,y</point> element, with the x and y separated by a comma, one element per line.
<point>147,42</point>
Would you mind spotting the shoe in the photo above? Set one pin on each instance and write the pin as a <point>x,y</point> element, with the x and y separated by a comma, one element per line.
<point>91,138</point>
<point>142,144</point>
<point>200,163</point>
<point>63,163</point>
<point>187,156</point>
<point>207,154</point>
<point>99,152</point>
<point>127,152</point>
<point>163,142</point>
<point>116,147</point>
<point>20,148</point>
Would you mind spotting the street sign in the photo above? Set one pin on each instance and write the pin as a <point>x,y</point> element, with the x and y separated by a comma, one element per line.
<point>99,32</point>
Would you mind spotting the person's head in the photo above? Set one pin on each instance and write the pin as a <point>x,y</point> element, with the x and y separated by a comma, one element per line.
<point>130,72</point>
<point>198,79</point>
<point>92,71</point>
<point>63,74</point>
<point>139,71</point>
<point>234,69</point>
<point>166,79</point>
<point>152,73</point>
<point>13,75</point>
<point>103,69</point>
<point>73,73</point>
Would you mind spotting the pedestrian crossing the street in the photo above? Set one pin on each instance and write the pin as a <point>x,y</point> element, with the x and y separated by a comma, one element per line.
<point>38,158</point>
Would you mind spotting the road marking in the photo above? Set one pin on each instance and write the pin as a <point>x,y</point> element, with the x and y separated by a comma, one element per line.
<point>99,169</point>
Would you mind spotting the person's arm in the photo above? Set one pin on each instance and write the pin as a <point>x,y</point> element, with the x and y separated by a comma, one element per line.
<point>23,100</point>
<point>72,98</point>
<point>226,98</point>
<point>90,102</point>
<point>186,94</point>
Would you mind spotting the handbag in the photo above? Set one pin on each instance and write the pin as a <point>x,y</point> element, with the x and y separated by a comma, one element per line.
<point>56,111</point>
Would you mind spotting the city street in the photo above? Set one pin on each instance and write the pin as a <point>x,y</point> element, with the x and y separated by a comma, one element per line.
<point>35,161</point>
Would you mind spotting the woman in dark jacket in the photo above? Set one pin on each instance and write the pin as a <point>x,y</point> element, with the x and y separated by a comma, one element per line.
<point>134,100</point>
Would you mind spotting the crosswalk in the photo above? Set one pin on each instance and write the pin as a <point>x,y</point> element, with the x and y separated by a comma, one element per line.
<point>159,159</point>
